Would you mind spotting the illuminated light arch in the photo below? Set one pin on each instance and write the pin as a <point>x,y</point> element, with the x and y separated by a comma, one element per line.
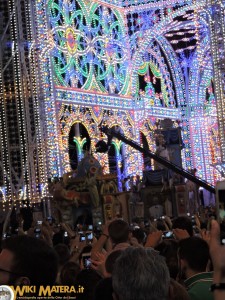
<point>78,136</point>
<point>72,118</point>
<point>115,146</point>
<point>159,30</point>
<point>120,156</point>
<point>174,67</point>
<point>164,76</point>
<point>72,35</point>
<point>157,33</point>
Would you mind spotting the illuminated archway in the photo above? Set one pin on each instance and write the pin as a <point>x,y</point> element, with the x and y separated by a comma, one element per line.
<point>79,142</point>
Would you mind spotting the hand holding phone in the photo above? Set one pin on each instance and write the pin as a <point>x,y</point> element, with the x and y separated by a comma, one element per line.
<point>220,200</point>
<point>86,259</point>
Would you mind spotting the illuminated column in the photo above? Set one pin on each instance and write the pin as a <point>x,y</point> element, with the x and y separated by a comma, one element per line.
<point>5,94</point>
<point>217,29</point>
<point>22,144</point>
<point>51,128</point>
<point>200,138</point>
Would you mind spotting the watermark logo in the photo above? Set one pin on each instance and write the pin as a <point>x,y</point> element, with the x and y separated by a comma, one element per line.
<point>6,293</point>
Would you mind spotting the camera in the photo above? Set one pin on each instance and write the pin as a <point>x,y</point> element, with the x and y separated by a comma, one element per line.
<point>86,259</point>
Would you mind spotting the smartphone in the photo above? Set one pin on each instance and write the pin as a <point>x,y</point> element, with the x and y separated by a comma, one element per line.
<point>89,236</point>
<point>193,220</point>
<point>220,200</point>
<point>37,232</point>
<point>90,227</point>
<point>65,234</point>
<point>136,227</point>
<point>39,222</point>
<point>86,259</point>
<point>167,235</point>
<point>82,237</point>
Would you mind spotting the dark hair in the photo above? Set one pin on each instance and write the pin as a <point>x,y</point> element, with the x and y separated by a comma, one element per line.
<point>88,278</point>
<point>58,238</point>
<point>160,225</point>
<point>63,253</point>
<point>139,234</point>
<point>183,223</point>
<point>118,231</point>
<point>168,249</point>
<point>104,289</point>
<point>33,258</point>
<point>111,259</point>
<point>196,252</point>
<point>69,273</point>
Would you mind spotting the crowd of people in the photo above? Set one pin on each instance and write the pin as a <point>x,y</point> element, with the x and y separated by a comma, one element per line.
<point>165,259</point>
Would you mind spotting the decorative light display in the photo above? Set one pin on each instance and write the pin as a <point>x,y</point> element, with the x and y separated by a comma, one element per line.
<point>96,51</point>
<point>126,63</point>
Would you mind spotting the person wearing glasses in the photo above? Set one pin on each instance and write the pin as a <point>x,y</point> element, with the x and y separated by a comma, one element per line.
<point>27,261</point>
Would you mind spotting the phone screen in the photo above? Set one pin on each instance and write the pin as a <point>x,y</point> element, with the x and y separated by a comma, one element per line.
<point>90,236</point>
<point>37,232</point>
<point>193,220</point>
<point>86,258</point>
<point>82,237</point>
<point>167,234</point>
<point>220,200</point>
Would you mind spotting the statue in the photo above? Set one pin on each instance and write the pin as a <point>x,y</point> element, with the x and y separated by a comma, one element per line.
<point>161,150</point>
<point>77,188</point>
